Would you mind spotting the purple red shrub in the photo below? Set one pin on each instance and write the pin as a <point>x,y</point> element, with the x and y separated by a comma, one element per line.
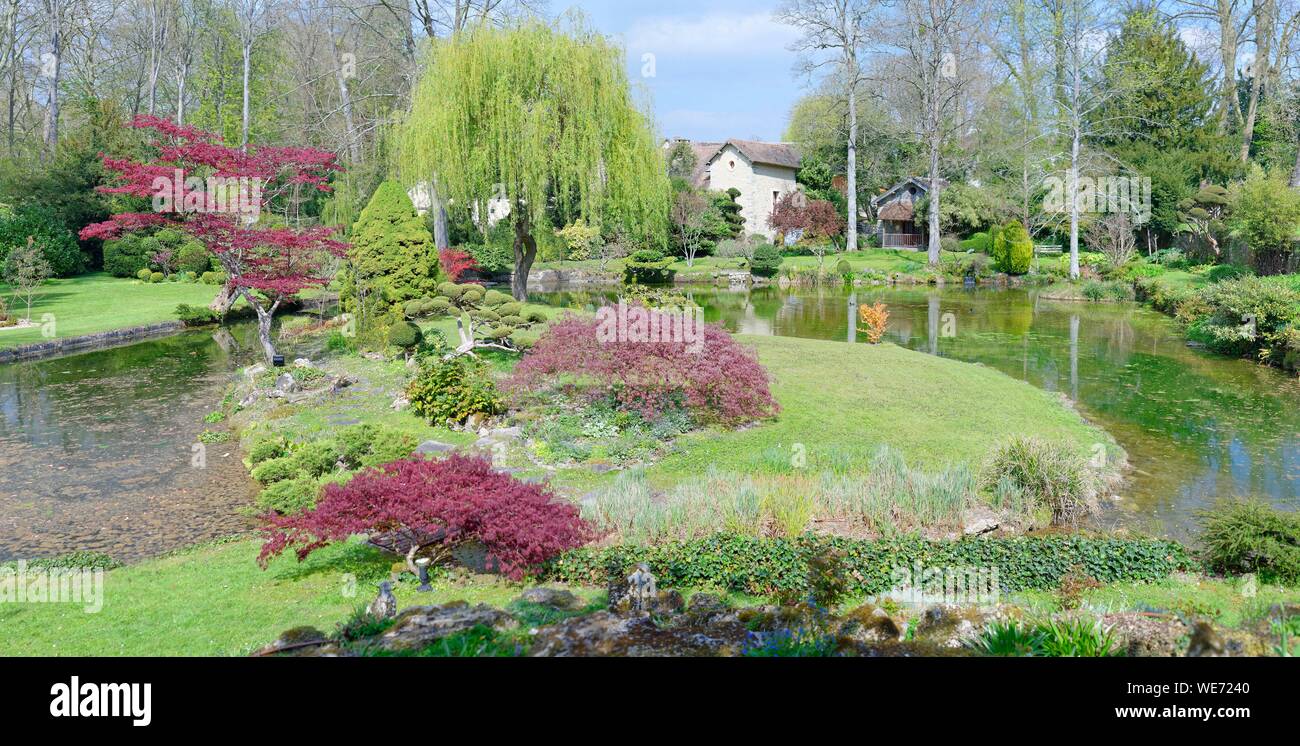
<point>450,501</point>
<point>714,377</point>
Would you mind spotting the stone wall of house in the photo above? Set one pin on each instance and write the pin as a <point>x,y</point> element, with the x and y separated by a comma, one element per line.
<point>760,186</point>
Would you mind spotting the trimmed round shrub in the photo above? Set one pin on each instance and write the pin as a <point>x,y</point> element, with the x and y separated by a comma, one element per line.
<point>316,458</point>
<point>289,496</point>
<point>275,470</point>
<point>404,334</point>
<point>213,278</point>
<point>157,277</point>
<point>494,298</point>
<point>193,257</point>
<point>843,268</point>
<point>144,274</point>
<point>766,262</point>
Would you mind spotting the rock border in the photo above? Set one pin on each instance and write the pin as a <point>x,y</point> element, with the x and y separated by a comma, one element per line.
<point>87,342</point>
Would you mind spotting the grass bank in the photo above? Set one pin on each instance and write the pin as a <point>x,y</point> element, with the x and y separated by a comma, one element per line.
<point>841,402</point>
<point>98,302</point>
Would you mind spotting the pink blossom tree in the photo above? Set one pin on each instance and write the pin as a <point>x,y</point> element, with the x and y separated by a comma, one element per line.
<point>220,195</point>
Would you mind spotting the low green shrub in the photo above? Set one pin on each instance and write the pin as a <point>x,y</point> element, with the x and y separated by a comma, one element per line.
<point>267,449</point>
<point>1248,316</point>
<point>195,315</point>
<point>978,242</point>
<point>213,278</point>
<point>144,274</point>
<point>371,445</point>
<point>317,458</point>
<point>405,335</point>
<point>449,391</point>
<point>766,262</point>
<point>1252,536</point>
<point>289,496</point>
<point>157,277</point>
<point>274,470</point>
<point>775,566</point>
<point>647,267</point>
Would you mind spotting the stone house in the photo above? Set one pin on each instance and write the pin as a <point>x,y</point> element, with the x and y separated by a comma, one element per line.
<point>761,171</point>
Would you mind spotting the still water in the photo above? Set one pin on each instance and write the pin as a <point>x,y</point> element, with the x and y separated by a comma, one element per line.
<point>100,451</point>
<point>1197,426</point>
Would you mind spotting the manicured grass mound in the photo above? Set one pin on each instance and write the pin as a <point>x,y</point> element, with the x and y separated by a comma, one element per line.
<point>761,566</point>
<point>841,402</point>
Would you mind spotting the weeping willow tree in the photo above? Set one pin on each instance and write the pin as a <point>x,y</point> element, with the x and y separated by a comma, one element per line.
<point>543,117</point>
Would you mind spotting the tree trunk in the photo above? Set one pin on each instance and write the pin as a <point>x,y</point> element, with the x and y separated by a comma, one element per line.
<point>248,73</point>
<point>851,232</point>
<point>264,318</point>
<point>1295,170</point>
<point>224,300</point>
<point>1230,106</point>
<point>935,133</point>
<point>525,253</point>
<point>1263,10</point>
<point>181,78</point>
<point>56,44</point>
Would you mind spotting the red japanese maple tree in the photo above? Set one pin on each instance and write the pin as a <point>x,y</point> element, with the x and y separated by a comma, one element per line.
<point>219,195</point>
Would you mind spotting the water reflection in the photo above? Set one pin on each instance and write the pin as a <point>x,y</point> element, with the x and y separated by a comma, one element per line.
<point>96,449</point>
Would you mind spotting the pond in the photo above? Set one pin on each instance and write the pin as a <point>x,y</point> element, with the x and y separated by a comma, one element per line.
<point>100,451</point>
<point>1197,427</point>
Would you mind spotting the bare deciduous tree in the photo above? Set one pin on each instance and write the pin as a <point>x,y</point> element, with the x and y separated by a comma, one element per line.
<point>835,33</point>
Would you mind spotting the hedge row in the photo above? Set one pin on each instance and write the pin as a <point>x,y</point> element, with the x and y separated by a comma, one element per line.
<point>768,566</point>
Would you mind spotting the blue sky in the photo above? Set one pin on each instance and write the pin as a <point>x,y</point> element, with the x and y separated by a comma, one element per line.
<point>722,68</point>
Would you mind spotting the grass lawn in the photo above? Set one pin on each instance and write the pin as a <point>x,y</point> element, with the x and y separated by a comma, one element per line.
<point>842,401</point>
<point>99,302</point>
<point>214,600</point>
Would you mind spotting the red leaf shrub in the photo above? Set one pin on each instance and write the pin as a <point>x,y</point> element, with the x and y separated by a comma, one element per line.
<point>454,500</point>
<point>455,263</point>
<point>717,379</point>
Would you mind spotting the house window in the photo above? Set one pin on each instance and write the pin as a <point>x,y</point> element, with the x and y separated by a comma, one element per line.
<point>776,197</point>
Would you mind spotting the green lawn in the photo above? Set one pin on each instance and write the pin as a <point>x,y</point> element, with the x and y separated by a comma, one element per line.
<point>842,401</point>
<point>99,302</point>
<point>214,600</point>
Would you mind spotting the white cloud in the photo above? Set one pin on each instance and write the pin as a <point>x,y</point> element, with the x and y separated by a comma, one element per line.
<point>713,35</point>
